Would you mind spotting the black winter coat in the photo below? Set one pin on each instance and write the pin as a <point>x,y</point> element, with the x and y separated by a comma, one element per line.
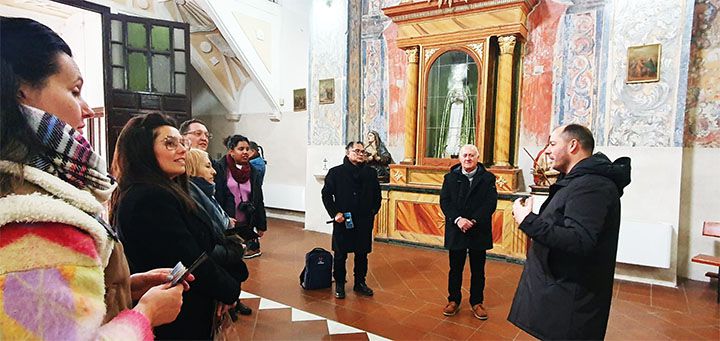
<point>458,198</point>
<point>223,195</point>
<point>354,189</point>
<point>566,285</point>
<point>157,232</point>
<point>228,251</point>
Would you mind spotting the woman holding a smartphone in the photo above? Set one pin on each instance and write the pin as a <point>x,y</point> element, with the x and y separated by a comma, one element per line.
<point>160,224</point>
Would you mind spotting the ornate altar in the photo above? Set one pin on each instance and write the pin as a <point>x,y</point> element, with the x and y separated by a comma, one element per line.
<point>463,79</point>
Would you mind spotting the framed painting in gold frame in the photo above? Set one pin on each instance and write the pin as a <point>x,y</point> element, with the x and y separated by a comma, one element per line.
<point>643,64</point>
<point>299,100</point>
<point>326,91</point>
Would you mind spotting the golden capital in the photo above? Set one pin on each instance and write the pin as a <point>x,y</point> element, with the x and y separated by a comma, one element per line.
<point>507,44</point>
<point>412,54</point>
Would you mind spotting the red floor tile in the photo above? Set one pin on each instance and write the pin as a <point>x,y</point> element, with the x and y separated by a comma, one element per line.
<point>410,285</point>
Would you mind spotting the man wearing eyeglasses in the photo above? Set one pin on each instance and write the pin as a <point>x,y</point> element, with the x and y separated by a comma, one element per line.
<point>196,131</point>
<point>351,196</point>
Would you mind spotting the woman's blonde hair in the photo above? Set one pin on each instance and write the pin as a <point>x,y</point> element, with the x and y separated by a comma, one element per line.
<point>194,160</point>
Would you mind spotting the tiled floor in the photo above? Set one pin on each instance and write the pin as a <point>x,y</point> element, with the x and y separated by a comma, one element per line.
<point>410,292</point>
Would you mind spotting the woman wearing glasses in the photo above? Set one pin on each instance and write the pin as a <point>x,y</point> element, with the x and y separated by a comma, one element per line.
<point>62,270</point>
<point>160,224</point>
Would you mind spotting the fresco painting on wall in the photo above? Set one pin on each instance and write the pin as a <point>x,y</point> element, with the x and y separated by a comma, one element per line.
<point>643,63</point>
<point>327,91</point>
<point>702,113</point>
<point>539,73</point>
<point>299,100</point>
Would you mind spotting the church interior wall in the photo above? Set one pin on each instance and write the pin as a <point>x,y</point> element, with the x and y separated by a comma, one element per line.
<point>81,29</point>
<point>573,71</point>
<point>320,158</point>
<point>699,202</point>
<point>284,139</point>
<point>326,121</point>
<point>700,188</point>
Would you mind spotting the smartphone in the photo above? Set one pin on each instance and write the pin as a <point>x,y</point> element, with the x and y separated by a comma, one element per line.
<point>181,275</point>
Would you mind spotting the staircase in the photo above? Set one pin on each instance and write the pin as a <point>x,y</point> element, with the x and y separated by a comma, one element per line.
<point>236,66</point>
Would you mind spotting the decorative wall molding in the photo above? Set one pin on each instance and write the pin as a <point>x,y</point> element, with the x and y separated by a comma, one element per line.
<point>354,120</point>
<point>460,8</point>
<point>428,54</point>
<point>477,47</point>
<point>702,111</point>
<point>580,82</point>
<point>507,44</point>
<point>644,114</point>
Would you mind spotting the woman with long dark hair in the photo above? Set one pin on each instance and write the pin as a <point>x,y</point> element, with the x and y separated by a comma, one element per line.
<point>63,271</point>
<point>160,224</point>
<point>239,192</point>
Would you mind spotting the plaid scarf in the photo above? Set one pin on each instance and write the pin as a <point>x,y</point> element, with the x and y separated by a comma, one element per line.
<point>68,155</point>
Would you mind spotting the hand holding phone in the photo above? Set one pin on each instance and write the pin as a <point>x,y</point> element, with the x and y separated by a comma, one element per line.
<point>180,273</point>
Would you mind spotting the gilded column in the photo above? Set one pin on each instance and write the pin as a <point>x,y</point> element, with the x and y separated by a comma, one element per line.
<point>411,100</point>
<point>503,103</point>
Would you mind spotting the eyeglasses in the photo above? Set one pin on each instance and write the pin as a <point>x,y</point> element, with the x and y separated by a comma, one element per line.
<point>199,133</point>
<point>358,151</point>
<point>173,142</point>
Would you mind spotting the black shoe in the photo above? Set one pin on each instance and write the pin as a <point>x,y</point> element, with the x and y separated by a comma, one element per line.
<point>243,309</point>
<point>363,289</point>
<point>233,315</point>
<point>340,290</point>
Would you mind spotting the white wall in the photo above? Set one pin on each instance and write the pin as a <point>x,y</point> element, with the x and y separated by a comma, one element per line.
<point>292,69</point>
<point>284,141</point>
<point>82,31</point>
<point>700,201</point>
<point>315,214</point>
<point>653,196</point>
<point>285,153</point>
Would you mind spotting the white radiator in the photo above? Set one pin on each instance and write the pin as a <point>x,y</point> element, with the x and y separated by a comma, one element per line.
<point>647,244</point>
<point>286,197</point>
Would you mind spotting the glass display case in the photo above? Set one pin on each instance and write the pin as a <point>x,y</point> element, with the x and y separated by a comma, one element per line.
<point>452,95</point>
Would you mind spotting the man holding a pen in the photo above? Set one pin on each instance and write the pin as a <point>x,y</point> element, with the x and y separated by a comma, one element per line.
<point>351,196</point>
<point>468,199</point>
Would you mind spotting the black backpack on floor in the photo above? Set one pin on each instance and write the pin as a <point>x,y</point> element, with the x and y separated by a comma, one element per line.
<point>317,273</point>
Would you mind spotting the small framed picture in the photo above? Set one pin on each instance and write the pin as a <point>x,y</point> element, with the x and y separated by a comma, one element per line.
<point>643,63</point>
<point>327,91</point>
<point>299,100</point>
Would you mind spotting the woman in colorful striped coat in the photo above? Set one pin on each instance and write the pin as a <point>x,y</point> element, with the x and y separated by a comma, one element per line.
<point>54,245</point>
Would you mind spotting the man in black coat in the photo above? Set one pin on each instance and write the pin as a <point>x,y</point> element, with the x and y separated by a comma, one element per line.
<point>566,286</point>
<point>352,188</point>
<point>468,199</point>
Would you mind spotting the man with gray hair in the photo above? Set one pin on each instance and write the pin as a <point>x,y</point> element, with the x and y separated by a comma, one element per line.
<point>468,199</point>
